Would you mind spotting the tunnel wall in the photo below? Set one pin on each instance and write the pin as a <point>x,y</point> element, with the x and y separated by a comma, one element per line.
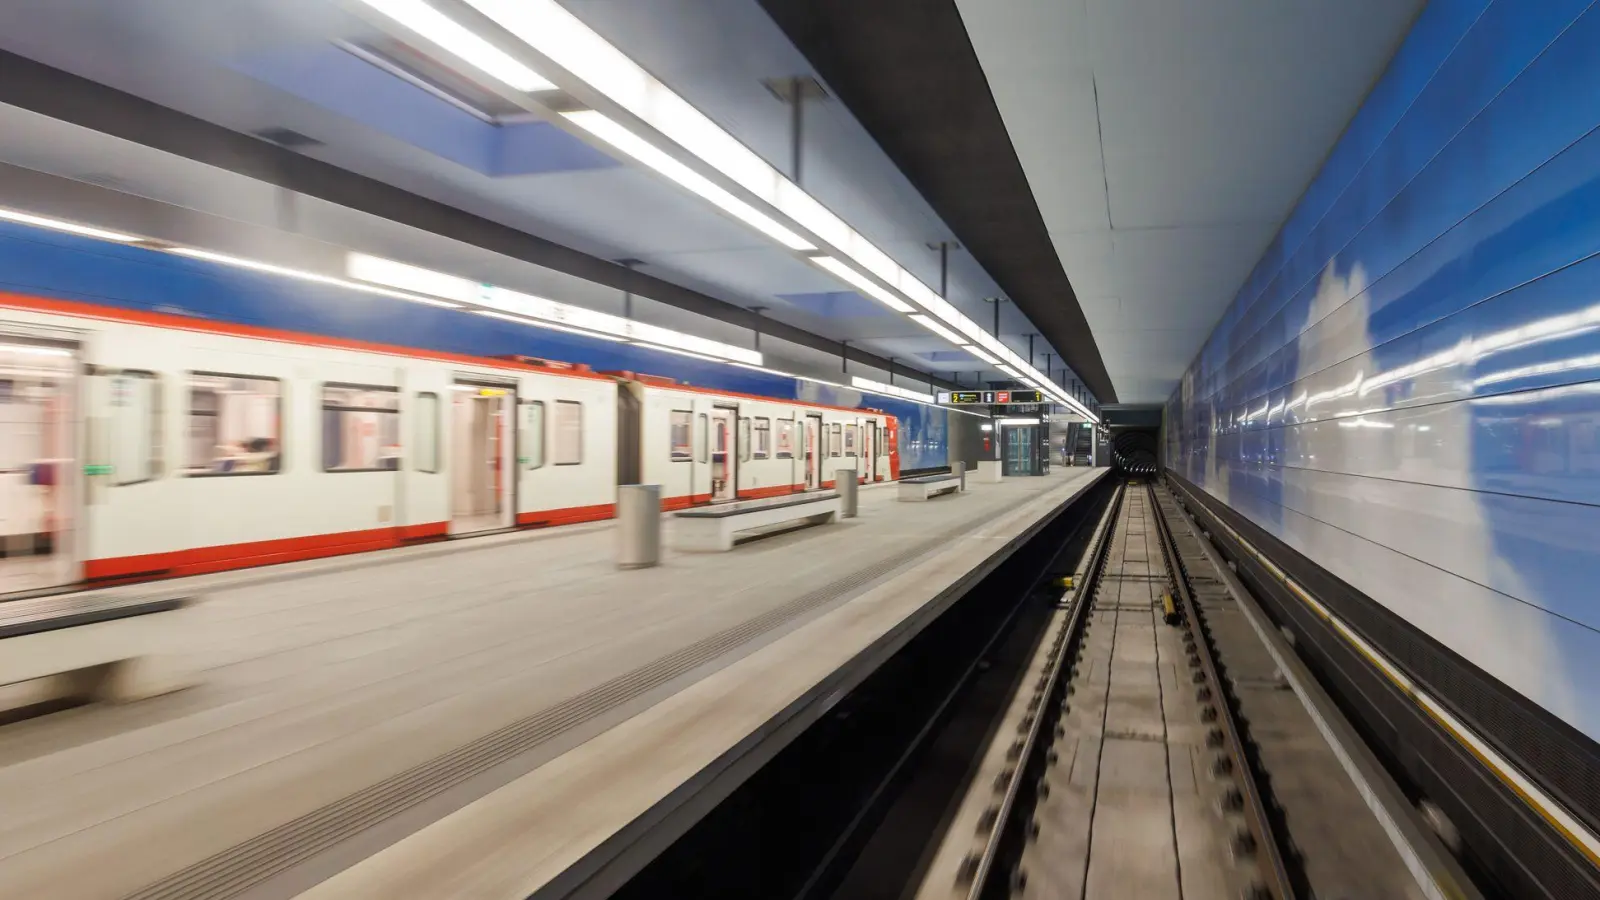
<point>1406,390</point>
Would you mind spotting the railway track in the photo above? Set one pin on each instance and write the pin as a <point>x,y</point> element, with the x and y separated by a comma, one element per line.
<point>1164,743</point>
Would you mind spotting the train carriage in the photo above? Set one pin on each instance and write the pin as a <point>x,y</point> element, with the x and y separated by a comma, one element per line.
<point>138,445</point>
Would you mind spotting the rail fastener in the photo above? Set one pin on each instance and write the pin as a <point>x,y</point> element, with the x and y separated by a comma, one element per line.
<point>1169,609</point>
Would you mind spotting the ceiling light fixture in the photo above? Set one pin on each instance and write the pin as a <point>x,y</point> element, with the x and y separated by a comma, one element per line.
<point>524,320</point>
<point>463,43</point>
<point>606,129</point>
<point>541,310</point>
<point>554,32</point>
<point>938,329</point>
<point>302,275</point>
<point>862,283</point>
<point>878,387</point>
<point>23,218</point>
<point>982,356</point>
<point>1009,371</point>
<point>681,352</point>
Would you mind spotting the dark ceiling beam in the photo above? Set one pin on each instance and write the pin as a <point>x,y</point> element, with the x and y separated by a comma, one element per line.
<point>906,69</point>
<point>62,95</point>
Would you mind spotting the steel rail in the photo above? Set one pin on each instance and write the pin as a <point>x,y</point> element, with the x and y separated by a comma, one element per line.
<point>978,874</point>
<point>1268,851</point>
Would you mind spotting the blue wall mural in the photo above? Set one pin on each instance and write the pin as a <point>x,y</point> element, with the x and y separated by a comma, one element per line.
<point>1407,387</point>
<point>51,264</point>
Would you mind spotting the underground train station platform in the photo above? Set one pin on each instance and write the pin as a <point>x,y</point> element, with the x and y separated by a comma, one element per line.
<point>477,719</point>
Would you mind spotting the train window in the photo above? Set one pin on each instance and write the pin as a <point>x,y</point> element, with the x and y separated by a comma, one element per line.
<point>426,451</point>
<point>681,450</point>
<point>704,432</point>
<point>532,438</point>
<point>850,440</point>
<point>744,440</point>
<point>134,418</point>
<point>360,428</point>
<point>763,438</point>
<point>837,442</point>
<point>234,425</point>
<point>786,439</point>
<point>569,433</point>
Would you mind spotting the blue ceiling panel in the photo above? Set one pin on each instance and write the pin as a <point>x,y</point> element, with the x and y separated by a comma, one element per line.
<point>342,83</point>
<point>838,305</point>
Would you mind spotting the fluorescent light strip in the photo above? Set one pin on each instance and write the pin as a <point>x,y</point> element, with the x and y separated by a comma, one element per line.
<point>606,129</point>
<point>938,329</point>
<point>765,370</point>
<point>862,283</point>
<point>689,353</point>
<point>23,218</point>
<point>1018,422</point>
<point>463,43</point>
<point>878,387</point>
<point>385,278</point>
<point>561,316</point>
<point>303,275</point>
<point>981,355</point>
<point>523,320</point>
<point>1008,370</point>
<point>563,38</point>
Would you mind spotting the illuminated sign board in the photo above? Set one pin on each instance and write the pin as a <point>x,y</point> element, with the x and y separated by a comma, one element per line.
<point>990,398</point>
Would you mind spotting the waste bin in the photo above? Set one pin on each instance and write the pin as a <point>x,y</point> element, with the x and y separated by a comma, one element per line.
<point>638,525</point>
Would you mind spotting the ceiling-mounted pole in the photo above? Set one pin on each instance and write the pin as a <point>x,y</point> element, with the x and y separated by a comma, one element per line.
<point>627,293</point>
<point>891,371</point>
<point>797,123</point>
<point>1030,349</point>
<point>1047,358</point>
<point>758,310</point>
<point>996,301</point>
<point>944,248</point>
<point>795,90</point>
<point>844,357</point>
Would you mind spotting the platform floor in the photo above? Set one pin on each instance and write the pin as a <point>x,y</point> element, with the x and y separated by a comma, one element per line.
<point>336,692</point>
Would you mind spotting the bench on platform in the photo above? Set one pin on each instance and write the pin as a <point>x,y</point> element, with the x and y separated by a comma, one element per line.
<point>714,528</point>
<point>96,646</point>
<point>929,486</point>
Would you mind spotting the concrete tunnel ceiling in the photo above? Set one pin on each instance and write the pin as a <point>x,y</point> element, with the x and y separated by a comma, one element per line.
<point>1118,166</point>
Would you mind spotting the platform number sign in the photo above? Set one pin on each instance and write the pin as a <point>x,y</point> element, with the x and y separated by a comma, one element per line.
<point>989,398</point>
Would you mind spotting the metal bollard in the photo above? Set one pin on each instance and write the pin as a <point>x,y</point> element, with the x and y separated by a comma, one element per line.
<point>638,525</point>
<point>844,481</point>
<point>959,469</point>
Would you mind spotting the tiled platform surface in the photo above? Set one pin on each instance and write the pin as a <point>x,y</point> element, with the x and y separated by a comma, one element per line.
<point>327,680</point>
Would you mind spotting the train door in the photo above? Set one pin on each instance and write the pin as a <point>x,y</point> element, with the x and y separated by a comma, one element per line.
<point>869,451</point>
<point>813,451</point>
<point>700,467</point>
<point>482,457</point>
<point>39,508</point>
<point>724,454</point>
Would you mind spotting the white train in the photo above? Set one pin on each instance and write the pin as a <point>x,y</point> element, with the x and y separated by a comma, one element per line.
<point>140,445</point>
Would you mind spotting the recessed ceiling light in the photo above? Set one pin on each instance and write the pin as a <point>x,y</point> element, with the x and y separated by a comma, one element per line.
<point>462,42</point>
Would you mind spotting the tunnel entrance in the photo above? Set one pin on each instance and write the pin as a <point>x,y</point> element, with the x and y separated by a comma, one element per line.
<point>1135,439</point>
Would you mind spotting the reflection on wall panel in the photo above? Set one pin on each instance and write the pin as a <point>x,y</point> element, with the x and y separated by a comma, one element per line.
<point>1407,387</point>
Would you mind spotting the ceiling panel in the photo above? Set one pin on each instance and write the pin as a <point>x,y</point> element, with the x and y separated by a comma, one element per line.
<point>1166,140</point>
<point>248,65</point>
